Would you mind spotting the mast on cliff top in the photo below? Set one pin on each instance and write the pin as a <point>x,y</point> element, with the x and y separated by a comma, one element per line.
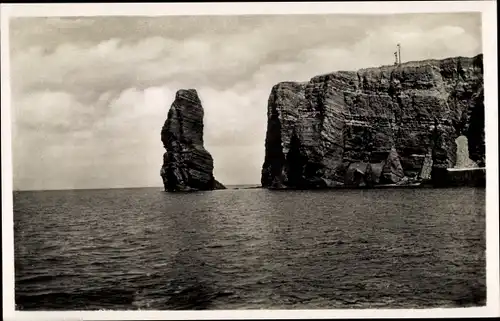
<point>399,53</point>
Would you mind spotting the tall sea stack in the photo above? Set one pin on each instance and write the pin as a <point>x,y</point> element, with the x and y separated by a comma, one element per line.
<point>386,125</point>
<point>187,166</point>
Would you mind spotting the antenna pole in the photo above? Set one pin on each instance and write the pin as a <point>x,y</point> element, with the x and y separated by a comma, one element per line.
<point>399,52</point>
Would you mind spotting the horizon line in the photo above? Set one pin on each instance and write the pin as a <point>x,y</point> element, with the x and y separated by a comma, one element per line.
<point>105,188</point>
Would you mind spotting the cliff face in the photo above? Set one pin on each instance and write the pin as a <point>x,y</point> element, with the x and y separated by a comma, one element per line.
<point>384,125</point>
<point>187,166</point>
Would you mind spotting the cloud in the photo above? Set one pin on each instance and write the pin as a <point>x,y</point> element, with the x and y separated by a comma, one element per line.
<point>63,145</point>
<point>90,95</point>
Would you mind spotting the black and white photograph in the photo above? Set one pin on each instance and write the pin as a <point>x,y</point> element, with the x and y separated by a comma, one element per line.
<point>261,160</point>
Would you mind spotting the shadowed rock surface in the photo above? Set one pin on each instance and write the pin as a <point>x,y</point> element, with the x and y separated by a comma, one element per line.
<point>187,166</point>
<point>386,125</point>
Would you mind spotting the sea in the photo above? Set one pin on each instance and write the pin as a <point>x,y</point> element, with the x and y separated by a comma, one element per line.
<point>144,249</point>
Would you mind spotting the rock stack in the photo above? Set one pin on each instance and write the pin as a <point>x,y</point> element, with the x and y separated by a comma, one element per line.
<point>187,165</point>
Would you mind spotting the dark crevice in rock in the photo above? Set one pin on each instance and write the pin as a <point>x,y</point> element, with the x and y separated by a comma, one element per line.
<point>477,62</point>
<point>475,132</point>
<point>296,163</point>
<point>275,160</point>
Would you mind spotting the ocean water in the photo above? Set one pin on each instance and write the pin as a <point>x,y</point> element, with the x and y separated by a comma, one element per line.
<point>249,249</point>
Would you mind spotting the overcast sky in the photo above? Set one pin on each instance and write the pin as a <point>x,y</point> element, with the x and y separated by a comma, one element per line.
<point>90,95</point>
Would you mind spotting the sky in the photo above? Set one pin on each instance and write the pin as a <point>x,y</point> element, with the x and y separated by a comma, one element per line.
<point>90,94</point>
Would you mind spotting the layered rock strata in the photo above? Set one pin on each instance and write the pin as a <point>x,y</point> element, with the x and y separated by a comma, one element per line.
<point>386,125</point>
<point>187,165</point>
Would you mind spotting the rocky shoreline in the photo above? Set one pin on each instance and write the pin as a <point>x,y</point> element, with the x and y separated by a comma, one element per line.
<point>464,178</point>
<point>457,177</point>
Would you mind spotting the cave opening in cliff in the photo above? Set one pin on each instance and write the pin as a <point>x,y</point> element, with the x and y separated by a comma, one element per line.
<point>462,155</point>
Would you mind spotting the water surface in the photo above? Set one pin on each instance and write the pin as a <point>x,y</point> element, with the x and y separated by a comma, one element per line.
<point>249,249</point>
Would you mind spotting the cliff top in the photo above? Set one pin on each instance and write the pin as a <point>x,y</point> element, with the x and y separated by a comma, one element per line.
<point>475,60</point>
<point>419,63</point>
